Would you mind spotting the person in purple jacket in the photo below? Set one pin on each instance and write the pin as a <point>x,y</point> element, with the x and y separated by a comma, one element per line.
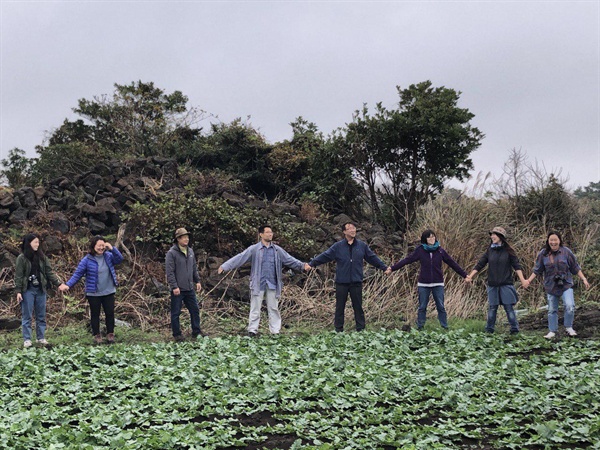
<point>431,277</point>
<point>98,268</point>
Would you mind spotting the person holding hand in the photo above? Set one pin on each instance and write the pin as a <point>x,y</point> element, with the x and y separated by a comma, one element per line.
<point>557,264</point>
<point>33,273</point>
<point>98,268</point>
<point>501,260</point>
<point>266,280</point>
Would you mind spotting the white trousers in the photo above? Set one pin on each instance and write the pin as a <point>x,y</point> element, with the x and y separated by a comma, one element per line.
<point>272,309</point>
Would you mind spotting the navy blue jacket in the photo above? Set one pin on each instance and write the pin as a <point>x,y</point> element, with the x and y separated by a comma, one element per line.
<point>88,268</point>
<point>349,259</point>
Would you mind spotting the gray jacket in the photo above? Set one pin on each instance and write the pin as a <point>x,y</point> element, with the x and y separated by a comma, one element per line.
<point>254,253</point>
<point>181,270</point>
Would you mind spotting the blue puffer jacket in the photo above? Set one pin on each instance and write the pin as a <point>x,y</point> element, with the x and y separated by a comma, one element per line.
<point>88,268</point>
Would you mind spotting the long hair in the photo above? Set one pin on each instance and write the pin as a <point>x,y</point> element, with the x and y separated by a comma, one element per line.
<point>28,251</point>
<point>547,249</point>
<point>505,243</point>
<point>93,243</point>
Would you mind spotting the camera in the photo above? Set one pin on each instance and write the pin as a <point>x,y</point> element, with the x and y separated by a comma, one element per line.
<point>34,281</point>
<point>559,280</point>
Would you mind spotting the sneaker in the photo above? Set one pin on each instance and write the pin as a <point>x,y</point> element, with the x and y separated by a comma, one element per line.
<point>514,331</point>
<point>550,335</point>
<point>179,338</point>
<point>27,343</point>
<point>98,339</point>
<point>110,338</point>
<point>42,341</point>
<point>252,334</point>
<point>570,331</point>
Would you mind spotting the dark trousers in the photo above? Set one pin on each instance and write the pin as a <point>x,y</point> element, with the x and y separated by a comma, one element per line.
<point>106,302</point>
<point>341,296</point>
<point>191,303</point>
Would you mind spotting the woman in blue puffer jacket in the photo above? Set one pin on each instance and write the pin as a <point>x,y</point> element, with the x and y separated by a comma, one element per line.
<point>98,268</point>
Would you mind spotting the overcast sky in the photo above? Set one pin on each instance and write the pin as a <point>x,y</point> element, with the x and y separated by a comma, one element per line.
<point>529,71</point>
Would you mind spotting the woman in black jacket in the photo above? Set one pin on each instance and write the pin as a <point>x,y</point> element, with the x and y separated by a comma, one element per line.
<point>502,260</point>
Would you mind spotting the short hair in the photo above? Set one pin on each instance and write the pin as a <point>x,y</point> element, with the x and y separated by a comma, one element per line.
<point>426,234</point>
<point>347,223</point>
<point>262,228</point>
<point>93,242</point>
<point>547,248</point>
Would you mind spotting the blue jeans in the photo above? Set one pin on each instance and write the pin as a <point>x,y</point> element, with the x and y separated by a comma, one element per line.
<point>34,300</point>
<point>191,303</point>
<point>438,298</point>
<point>569,303</point>
<point>510,315</point>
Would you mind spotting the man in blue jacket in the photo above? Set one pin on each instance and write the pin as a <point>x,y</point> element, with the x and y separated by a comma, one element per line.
<point>267,261</point>
<point>349,254</point>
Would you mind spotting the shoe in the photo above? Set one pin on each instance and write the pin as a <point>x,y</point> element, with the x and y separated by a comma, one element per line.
<point>110,338</point>
<point>98,339</point>
<point>550,335</point>
<point>570,331</point>
<point>42,341</point>
<point>27,343</point>
<point>198,337</point>
<point>252,334</point>
<point>179,338</point>
<point>514,332</point>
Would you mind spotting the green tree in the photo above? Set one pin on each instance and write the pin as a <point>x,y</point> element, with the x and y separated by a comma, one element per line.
<point>239,149</point>
<point>591,191</point>
<point>17,168</point>
<point>137,120</point>
<point>404,156</point>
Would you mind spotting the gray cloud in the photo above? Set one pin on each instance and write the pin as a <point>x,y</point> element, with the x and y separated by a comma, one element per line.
<point>529,71</point>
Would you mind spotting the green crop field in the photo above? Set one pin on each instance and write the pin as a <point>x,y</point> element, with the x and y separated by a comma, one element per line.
<point>385,389</point>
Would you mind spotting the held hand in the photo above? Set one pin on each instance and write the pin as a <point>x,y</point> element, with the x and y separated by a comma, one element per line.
<point>19,297</point>
<point>63,287</point>
<point>198,287</point>
<point>220,271</point>
<point>525,283</point>
<point>176,291</point>
<point>468,279</point>
<point>307,267</point>
<point>388,271</point>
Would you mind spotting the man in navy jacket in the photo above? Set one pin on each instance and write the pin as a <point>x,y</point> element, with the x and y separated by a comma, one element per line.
<point>349,254</point>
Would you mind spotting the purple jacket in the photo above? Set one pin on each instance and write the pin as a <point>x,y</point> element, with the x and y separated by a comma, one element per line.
<point>431,264</point>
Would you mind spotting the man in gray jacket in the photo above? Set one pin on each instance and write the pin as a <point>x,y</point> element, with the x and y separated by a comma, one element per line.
<point>183,278</point>
<point>267,261</point>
